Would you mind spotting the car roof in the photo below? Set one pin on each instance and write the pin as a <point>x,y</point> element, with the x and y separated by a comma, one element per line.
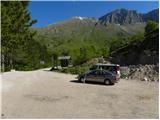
<point>101,64</point>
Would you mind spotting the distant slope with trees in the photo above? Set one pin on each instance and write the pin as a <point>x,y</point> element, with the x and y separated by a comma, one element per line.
<point>85,39</point>
<point>144,51</point>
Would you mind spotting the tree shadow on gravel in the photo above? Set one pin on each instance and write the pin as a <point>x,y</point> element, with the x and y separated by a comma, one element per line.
<point>89,82</point>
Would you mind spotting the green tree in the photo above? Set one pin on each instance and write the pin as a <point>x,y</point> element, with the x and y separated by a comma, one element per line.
<point>16,34</point>
<point>151,25</point>
<point>55,59</point>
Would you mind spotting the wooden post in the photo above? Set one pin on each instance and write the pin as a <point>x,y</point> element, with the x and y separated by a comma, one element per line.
<point>84,79</point>
<point>2,63</point>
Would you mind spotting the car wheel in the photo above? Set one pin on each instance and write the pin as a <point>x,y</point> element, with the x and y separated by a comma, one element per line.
<point>81,79</point>
<point>107,82</point>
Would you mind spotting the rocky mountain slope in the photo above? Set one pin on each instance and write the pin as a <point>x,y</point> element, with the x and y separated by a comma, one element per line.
<point>121,21</point>
<point>83,28</point>
<point>152,15</point>
<point>123,16</point>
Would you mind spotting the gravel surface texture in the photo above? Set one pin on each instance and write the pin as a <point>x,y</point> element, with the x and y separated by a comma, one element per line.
<point>45,94</point>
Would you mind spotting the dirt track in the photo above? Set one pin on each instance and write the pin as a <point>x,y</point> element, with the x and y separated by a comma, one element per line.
<point>44,94</point>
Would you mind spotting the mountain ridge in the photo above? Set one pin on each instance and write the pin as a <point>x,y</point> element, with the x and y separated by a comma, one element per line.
<point>80,28</point>
<point>123,16</point>
<point>107,18</point>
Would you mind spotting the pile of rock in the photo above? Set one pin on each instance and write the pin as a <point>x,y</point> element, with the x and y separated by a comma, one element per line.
<point>144,72</point>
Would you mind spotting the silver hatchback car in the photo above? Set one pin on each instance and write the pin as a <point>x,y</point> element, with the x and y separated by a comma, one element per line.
<point>102,76</point>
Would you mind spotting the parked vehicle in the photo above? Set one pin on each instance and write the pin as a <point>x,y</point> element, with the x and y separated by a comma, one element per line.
<point>114,68</point>
<point>102,76</point>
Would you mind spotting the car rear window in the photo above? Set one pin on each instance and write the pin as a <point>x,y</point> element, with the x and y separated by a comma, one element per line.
<point>110,68</point>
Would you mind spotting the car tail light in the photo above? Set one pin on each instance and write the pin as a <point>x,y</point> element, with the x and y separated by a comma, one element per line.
<point>117,68</point>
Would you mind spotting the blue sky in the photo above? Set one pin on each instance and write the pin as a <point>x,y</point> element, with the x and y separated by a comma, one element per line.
<point>49,12</point>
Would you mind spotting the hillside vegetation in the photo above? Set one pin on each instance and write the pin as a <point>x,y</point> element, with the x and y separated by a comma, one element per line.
<point>138,49</point>
<point>86,39</point>
<point>145,51</point>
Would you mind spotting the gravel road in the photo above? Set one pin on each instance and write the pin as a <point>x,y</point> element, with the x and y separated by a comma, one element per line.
<point>45,94</point>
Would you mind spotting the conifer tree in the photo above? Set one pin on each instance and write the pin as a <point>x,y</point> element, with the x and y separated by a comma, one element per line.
<point>16,34</point>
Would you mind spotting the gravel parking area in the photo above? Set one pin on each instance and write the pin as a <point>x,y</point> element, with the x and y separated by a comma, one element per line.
<point>45,94</point>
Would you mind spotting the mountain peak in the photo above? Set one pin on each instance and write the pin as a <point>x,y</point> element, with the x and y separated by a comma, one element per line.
<point>84,18</point>
<point>121,16</point>
<point>124,16</point>
<point>79,17</point>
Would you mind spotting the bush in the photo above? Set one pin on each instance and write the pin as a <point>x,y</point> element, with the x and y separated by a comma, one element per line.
<point>75,69</point>
<point>124,75</point>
